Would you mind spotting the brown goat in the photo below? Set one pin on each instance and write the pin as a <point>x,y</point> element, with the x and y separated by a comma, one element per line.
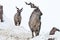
<point>35,20</point>
<point>52,32</point>
<point>17,17</point>
<point>1,13</point>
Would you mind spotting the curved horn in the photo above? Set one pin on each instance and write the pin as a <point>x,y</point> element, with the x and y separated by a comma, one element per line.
<point>17,7</point>
<point>28,3</point>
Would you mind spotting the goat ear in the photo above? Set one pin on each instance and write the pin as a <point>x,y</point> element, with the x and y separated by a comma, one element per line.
<point>17,7</point>
<point>28,3</point>
<point>21,9</point>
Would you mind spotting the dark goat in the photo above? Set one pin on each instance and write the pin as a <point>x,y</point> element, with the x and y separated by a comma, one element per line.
<point>1,13</point>
<point>17,17</point>
<point>52,32</point>
<point>35,20</point>
<point>51,39</point>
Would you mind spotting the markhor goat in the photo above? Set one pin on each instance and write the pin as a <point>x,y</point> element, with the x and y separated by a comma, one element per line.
<point>35,20</point>
<point>17,17</point>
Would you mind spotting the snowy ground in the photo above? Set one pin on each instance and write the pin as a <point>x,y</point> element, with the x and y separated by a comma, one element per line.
<point>14,35</point>
<point>19,33</point>
<point>8,31</point>
<point>46,36</point>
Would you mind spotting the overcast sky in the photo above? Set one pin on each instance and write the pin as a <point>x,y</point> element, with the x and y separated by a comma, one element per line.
<point>49,8</point>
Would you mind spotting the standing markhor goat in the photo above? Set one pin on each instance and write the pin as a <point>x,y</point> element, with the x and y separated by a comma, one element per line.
<point>17,17</point>
<point>35,20</point>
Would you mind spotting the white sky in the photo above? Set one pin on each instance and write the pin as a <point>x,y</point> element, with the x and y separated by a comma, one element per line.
<point>49,8</point>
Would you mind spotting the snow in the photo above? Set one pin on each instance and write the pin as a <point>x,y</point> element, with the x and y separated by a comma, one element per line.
<point>50,19</point>
<point>8,31</point>
<point>46,36</point>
